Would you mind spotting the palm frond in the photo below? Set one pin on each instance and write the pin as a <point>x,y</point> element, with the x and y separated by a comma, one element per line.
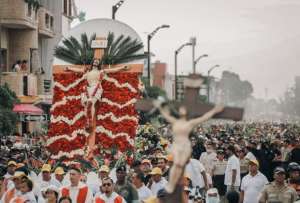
<point>119,50</point>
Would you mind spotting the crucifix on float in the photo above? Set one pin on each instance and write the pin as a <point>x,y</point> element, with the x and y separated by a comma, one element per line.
<point>90,99</point>
<point>182,127</point>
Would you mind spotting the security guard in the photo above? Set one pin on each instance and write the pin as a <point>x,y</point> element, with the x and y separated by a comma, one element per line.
<point>278,191</point>
<point>294,176</point>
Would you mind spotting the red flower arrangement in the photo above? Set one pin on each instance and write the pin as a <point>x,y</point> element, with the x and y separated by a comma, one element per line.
<point>117,121</point>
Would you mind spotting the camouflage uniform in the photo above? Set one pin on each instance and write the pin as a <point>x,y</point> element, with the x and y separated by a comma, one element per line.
<point>274,194</point>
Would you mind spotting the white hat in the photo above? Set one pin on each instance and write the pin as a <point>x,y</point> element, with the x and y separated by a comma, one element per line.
<point>52,188</point>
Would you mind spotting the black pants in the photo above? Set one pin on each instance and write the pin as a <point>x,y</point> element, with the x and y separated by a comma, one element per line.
<point>218,182</point>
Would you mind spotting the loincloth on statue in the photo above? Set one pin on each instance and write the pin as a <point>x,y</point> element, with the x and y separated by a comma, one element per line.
<point>181,150</point>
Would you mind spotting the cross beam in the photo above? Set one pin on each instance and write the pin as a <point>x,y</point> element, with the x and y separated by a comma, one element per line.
<point>194,107</point>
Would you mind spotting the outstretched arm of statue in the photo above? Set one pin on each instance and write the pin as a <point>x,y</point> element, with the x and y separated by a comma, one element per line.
<point>165,112</point>
<point>206,116</point>
<point>77,70</point>
<point>116,69</point>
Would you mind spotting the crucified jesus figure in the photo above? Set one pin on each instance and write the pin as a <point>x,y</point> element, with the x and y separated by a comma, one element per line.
<point>93,91</point>
<point>181,148</point>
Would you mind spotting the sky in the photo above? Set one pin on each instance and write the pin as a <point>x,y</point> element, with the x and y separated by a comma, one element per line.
<point>258,39</point>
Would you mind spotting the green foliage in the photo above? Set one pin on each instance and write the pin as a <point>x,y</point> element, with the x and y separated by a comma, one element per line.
<point>120,50</point>
<point>8,118</point>
<point>81,16</point>
<point>235,90</point>
<point>155,92</point>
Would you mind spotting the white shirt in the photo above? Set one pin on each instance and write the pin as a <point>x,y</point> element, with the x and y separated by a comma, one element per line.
<point>10,183</point>
<point>74,193</point>
<point>253,186</point>
<point>110,199</point>
<point>155,187</point>
<point>208,159</point>
<point>232,164</point>
<point>52,181</point>
<point>28,197</point>
<point>194,168</point>
<point>144,193</point>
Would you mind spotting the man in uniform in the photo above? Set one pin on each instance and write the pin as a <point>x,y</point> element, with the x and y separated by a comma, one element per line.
<point>278,191</point>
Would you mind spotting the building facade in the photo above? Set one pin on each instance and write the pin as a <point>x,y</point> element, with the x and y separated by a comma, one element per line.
<point>30,30</point>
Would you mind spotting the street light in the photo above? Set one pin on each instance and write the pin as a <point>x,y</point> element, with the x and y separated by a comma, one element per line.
<point>116,7</point>
<point>208,80</point>
<point>149,37</point>
<point>176,53</point>
<point>198,59</point>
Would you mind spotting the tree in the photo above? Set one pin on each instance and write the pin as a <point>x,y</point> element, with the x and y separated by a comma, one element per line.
<point>120,50</point>
<point>234,90</point>
<point>8,119</point>
<point>81,16</point>
<point>287,103</point>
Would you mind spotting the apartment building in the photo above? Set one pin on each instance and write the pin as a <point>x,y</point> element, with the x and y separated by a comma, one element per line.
<point>29,30</point>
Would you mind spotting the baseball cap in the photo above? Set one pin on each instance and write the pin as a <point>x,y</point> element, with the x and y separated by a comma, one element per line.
<point>46,168</point>
<point>59,171</point>
<point>12,163</point>
<point>279,170</point>
<point>121,168</point>
<point>156,171</point>
<point>19,174</point>
<point>104,168</point>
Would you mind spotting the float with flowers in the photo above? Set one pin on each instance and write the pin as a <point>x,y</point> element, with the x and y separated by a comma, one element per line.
<point>116,117</point>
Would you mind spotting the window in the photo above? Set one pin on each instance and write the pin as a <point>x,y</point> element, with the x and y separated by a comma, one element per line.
<point>66,7</point>
<point>70,8</point>
<point>51,22</point>
<point>3,60</point>
<point>47,20</point>
<point>29,10</point>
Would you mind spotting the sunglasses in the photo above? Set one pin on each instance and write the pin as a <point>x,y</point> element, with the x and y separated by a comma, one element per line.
<point>106,185</point>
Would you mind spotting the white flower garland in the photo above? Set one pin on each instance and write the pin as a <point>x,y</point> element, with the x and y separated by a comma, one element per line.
<point>64,101</point>
<point>116,119</point>
<point>71,154</point>
<point>67,120</point>
<point>67,88</point>
<point>101,129</point>
<point>69,138</point>
<point>120,106</point>
<point>116,83</point>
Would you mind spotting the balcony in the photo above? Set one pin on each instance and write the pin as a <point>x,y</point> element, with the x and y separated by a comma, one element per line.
<point>17,14</point>
<point>46,22</point>
<point>23,84</point>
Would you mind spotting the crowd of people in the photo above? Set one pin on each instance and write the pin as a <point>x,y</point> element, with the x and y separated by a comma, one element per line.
<point>233,162</point>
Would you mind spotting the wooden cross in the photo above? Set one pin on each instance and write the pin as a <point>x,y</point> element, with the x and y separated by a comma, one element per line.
<point>194,107</point>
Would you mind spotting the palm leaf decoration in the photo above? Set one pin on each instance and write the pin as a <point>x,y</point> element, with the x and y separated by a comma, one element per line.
<point>119,50</point>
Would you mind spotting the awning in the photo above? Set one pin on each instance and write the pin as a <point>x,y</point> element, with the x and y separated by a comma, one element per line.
<point>29,99</point>
<point>27,109</point>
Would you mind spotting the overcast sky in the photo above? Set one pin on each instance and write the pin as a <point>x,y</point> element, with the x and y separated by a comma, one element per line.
<point>258,39</point>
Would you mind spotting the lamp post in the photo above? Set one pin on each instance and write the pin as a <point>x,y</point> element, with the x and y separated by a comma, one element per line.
<point>149,37</point>
<point>116,7</point>
<point>193,42</point>
<point>176,53</point>
<point>198,59</point>
<point>208,80</point>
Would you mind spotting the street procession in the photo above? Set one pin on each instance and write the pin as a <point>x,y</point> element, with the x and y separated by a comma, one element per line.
<point>135,101</point>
